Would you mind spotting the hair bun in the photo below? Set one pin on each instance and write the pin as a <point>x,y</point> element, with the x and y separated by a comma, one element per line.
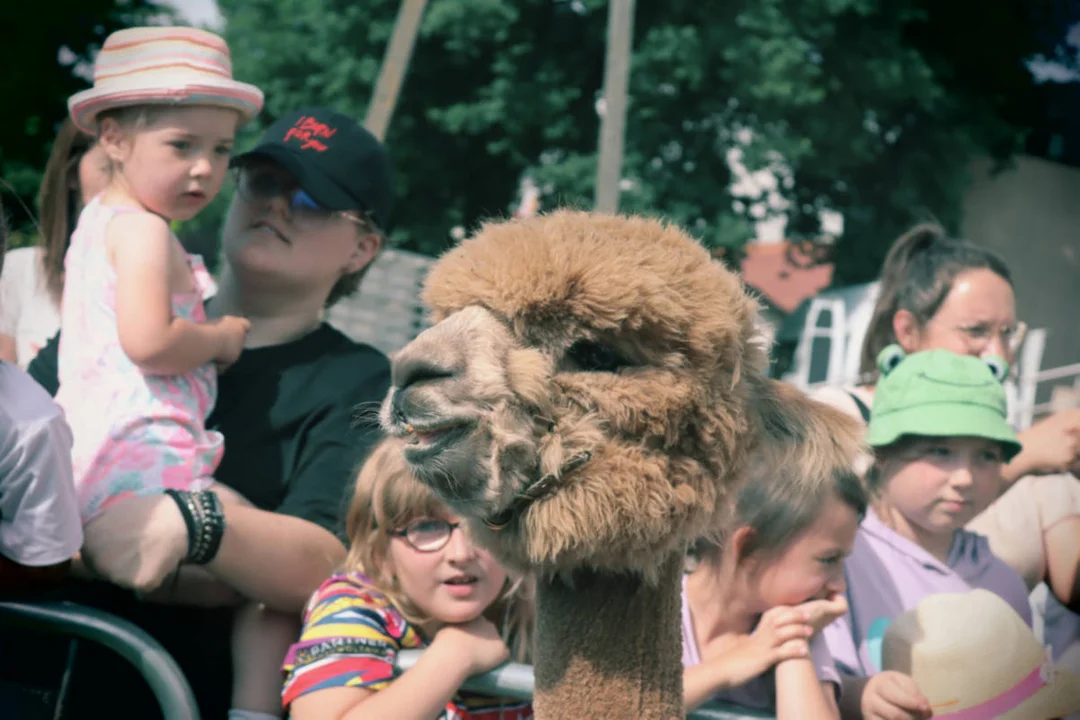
<point>889,358</point>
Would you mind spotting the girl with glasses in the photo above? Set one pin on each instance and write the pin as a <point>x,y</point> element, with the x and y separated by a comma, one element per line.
<point>414,578</point>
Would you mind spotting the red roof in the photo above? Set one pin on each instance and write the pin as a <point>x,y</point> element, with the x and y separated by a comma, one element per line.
<point>768,268</point>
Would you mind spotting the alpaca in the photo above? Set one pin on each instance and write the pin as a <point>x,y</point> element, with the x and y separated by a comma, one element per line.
<point>592,389</point>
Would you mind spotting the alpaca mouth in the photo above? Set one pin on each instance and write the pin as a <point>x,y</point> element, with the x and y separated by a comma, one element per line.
<point>424,442</point>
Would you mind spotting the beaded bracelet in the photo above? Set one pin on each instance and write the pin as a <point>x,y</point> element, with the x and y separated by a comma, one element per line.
<point>201,510</point>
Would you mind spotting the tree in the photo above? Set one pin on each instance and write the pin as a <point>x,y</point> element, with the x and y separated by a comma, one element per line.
<point>42,48</point>
<point>871,108</point>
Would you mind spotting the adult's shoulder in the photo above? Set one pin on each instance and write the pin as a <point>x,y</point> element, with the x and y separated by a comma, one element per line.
<point>25,401</point>
<point>23,259</point>
<point>22,267</point>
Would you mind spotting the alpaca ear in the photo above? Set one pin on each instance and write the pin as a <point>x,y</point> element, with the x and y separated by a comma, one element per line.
<point>801,438</point>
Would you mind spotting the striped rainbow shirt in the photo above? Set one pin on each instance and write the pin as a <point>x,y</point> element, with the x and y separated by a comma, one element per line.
<point>350,638</point>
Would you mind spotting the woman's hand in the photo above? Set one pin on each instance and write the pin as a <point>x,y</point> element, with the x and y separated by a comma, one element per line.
<point>194,586</point>
<point>1051,445</point>
<point>478,642</point>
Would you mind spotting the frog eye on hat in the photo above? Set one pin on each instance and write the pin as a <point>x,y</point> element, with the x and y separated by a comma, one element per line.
<point>889,358</point>
<point>998,367</point>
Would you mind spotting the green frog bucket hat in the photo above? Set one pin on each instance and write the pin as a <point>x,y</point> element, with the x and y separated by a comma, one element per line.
<point>937,393</point>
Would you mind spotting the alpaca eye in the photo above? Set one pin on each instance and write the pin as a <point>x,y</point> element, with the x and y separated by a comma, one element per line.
<point>594,357</point>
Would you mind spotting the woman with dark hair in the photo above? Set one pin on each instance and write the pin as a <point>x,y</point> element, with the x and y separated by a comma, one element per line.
<point>33,280</point>
<point>941,293</point>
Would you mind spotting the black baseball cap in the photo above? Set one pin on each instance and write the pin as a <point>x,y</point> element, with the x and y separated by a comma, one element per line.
<point>337,162</point>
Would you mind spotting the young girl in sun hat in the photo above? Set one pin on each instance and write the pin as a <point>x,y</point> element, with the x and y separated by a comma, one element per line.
<point>138,357</point>
<point>940,438</point>
<point>973,657</point>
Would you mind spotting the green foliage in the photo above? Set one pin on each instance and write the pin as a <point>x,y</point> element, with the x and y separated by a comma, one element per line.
<point>873,108</point>
<point>42,46</point>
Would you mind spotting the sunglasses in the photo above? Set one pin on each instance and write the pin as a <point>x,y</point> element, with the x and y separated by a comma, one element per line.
<point>263,186</point>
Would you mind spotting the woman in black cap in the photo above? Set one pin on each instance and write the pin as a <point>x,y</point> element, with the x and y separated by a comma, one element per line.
<point>308,217</point>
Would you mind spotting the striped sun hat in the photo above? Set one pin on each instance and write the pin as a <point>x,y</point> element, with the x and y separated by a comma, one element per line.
<point>162,65</point>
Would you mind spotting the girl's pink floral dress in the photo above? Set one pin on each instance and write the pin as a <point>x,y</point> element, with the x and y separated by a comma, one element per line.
<point>134,434</point>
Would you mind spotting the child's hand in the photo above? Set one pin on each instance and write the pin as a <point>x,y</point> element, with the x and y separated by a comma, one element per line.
<point>231,333</point>
<point>478,642</point>
<point>822,613</point>
<point>891,695</point>
<point>781,634</point>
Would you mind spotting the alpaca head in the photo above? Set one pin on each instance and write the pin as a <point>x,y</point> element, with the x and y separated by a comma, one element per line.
<point>591,388</point>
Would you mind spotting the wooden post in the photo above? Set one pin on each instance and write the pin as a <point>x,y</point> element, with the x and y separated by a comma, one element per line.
<point>613,122</point>
<point>395,63</point>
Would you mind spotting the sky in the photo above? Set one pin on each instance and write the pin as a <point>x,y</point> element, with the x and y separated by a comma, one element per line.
<point>198,12</point>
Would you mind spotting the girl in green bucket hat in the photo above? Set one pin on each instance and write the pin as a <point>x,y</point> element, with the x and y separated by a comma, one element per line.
<point>939,394</point>
<point>940,438</point>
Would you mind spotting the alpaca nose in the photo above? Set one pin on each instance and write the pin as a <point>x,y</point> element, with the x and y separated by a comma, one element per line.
<point>412,370</point>
<point>409,371</point>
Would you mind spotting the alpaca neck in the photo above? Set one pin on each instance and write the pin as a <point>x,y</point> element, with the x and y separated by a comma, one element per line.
<point>609,646</point>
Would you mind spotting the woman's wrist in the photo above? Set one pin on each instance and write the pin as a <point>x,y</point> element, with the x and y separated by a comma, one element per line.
<point>1015,469</point>
<point>205,523</point>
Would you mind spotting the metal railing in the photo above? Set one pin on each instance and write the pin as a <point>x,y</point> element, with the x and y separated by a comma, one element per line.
<point>514,680</point>
<point>157,667</point>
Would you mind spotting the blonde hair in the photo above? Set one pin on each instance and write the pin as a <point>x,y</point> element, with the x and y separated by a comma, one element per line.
<point>387,497</point>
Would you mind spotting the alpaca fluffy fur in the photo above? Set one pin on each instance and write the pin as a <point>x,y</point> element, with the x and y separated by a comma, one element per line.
<point>669,435</point>
<point>689,416</point>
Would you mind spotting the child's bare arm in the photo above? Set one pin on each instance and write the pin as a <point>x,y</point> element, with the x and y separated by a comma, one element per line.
<point>800,695</point>
<point>141,248</point>
<point>260,641</point>
<point>422,691</point>
<point>782,634</point>
<point>419,693</point>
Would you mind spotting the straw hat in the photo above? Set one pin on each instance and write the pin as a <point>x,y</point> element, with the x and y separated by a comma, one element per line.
<point>162,65</point>
<point>974,658</point>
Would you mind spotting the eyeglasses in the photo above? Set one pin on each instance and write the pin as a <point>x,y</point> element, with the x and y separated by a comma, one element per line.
<point>262,186</point>
<point>981,335</point>
<point>427,535</point>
